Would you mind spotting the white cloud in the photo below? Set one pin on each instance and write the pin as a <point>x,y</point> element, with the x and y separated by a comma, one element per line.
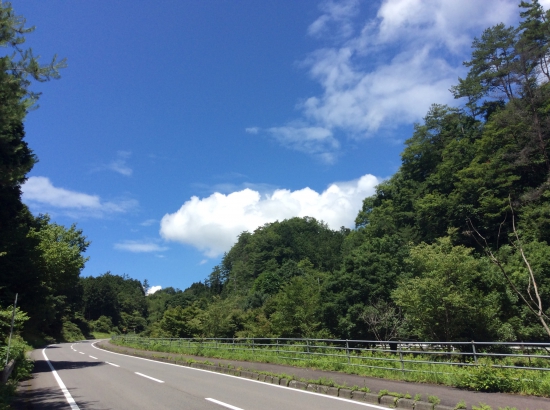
<point>153,289</point>
<point>40,192</point>
<point>119,164</point>
<point>385,70</point>
<point>212,224</point>
<point>335,13</point>
<point>139,247</point>
<point>203,261</point>
<point>252,130</point>
<point>148,222</point>
<point>313,140</point>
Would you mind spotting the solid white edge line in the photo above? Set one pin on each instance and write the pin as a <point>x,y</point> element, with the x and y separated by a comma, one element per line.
<point>326,396</point>
<point>221,403</point>
<point>112,364</point>
<point>149,377</point>
<point>66,393</point>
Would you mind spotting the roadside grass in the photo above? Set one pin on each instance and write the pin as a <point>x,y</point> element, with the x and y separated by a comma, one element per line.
<point>100,335</point>
<point>21,371</point>
<point>479,377</point>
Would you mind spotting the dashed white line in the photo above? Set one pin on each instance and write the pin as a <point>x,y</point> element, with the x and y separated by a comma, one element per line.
<point>149,377</point>
<point>221,403</point>
<point>112,364</point>
<point>275,386</point>
<point>93,357</point>
<point>81,352</point>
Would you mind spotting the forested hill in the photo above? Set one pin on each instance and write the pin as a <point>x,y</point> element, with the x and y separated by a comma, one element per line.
<point>434,255</point>
<point>453,247</point>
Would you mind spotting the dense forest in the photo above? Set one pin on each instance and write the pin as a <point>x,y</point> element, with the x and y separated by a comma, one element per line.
<point>453,247</point>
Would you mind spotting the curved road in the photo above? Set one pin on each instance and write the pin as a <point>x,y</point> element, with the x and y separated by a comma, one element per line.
<point>82,376</point>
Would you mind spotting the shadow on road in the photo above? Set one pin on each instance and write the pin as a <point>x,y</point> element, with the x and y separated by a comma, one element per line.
<point>47,399</point>
<point>32,398</point>
<point>40,366</point>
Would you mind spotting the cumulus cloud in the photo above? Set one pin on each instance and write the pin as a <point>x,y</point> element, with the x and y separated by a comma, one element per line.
<point>153,289</point>
<point>385,70</point>
<point>40,192</point>
<point>139,247</point>
<point>212,224</point>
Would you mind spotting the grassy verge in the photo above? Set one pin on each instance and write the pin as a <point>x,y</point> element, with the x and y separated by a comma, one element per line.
<point>100,335</point>
<point>22,369</point>
<point>482,377</point>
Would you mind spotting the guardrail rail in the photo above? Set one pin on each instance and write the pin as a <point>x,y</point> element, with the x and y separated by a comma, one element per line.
<point>399,356</point>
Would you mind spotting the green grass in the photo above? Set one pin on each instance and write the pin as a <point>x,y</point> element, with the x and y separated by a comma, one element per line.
<point>480,378</point>
<point>100,335</point>
<point>22,369</point>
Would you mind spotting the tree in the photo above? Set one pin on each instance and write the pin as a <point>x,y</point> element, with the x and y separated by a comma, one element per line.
<point>17,70</point>
<point>295,309</point>
<point>518,278</point>
<point>21,248</point>
<point>448,288</point>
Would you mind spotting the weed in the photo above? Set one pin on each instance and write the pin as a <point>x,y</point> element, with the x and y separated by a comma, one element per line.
<point>417,397</point>
<point>460,405</point>
<point>434,399</point>
<point>486,378</point>
<point>482,406</point>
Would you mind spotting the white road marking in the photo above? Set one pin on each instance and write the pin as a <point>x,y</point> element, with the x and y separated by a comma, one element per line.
<point>81,352</point>
<point>112,364</point>
<point>276,386</point>
<point>149,377</point>
<point>221,403</point>
<point>93,357</point>
<point>66,393</point>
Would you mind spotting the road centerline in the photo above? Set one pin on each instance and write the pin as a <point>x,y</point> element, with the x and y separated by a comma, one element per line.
<point>149,377</point>
<point>112,364</point>
<point>221,403</point>
<point>93,357</point>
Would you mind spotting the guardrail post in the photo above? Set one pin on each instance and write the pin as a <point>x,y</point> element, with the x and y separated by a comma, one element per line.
<point>252,346</point>
<point>347,351</point>
<point>277,342</point>
<point>474,351</point>
<point>401,358</point>
<point>307,346</point>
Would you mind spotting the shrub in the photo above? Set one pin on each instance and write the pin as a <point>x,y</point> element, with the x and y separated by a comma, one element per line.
<point>487,379</point>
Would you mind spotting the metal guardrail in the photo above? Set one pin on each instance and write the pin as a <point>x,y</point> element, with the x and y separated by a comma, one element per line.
<point>387,355</point>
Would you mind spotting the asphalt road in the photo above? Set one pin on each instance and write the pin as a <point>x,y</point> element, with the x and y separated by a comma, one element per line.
<point>90,378</point>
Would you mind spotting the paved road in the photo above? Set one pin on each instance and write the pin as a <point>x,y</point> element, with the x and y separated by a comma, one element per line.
<point>90,378</point>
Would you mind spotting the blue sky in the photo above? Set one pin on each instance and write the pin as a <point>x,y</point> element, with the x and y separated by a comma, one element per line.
<point>178,125</point>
